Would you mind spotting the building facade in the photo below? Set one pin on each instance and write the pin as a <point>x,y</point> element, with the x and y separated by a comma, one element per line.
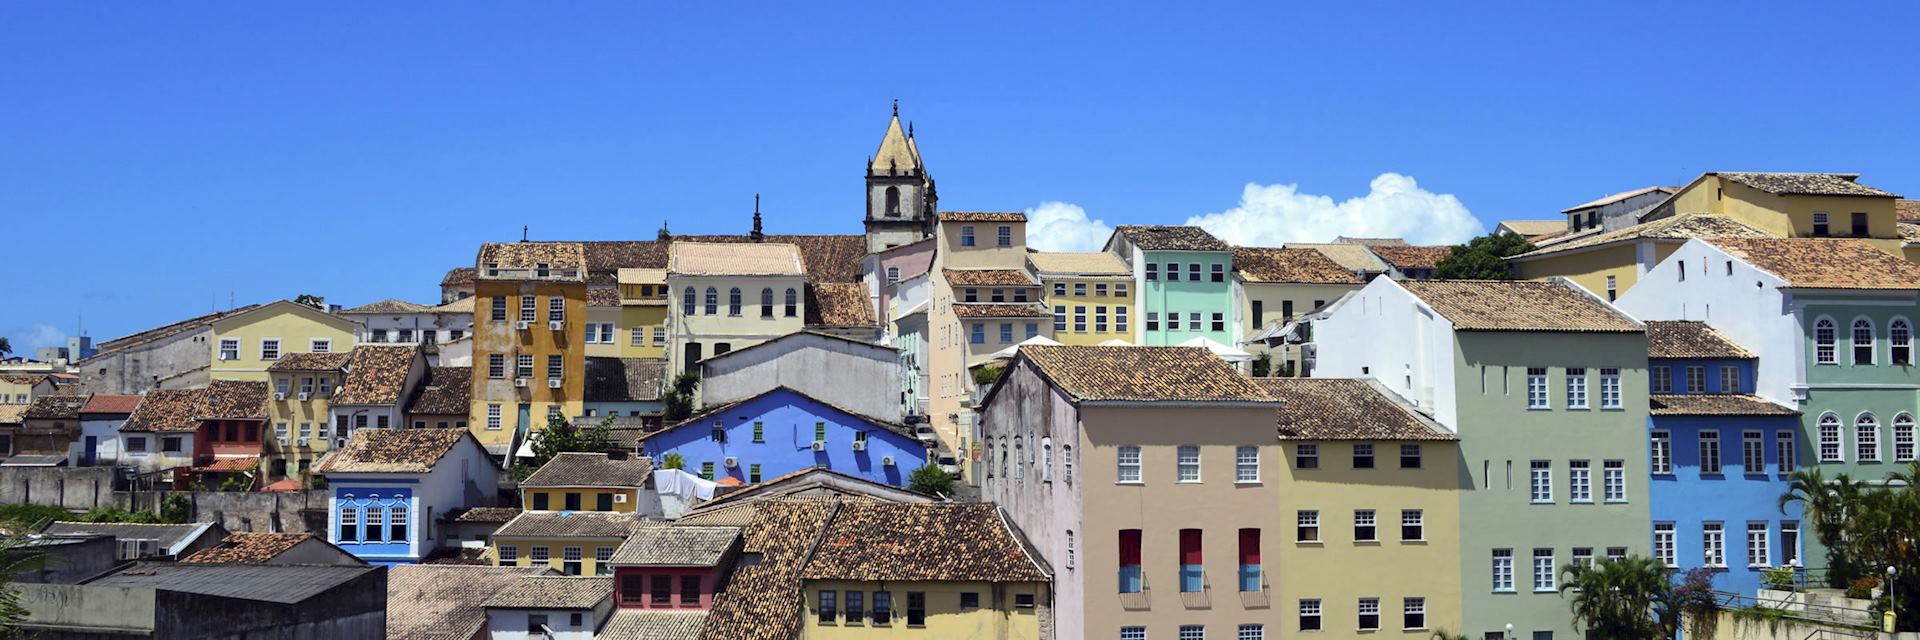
<point>1182,278</point>
<point>731,296</point>
<point>387,487</point>
<point>783,431</point>
<point>1090,295</point>
<point>528,352</point>
<point>245,344</point>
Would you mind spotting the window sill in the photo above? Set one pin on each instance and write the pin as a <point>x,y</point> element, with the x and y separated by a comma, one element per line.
<point>1247,482</point>
<point>1188,482</point>
<point>1421,541</point>
<point>1134,483</point>
<point>1579,408</point>
<point>1366,543</point>
<point>1616,502</point>
<point>1546,591</point>
<point>1541,502</point>
<point>1310,543</point>
<point>1504,592</point>
<point>1589,501</point>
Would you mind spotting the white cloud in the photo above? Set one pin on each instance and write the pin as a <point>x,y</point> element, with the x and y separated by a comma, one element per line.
<point>1395,206</point>
<point>1064,226</point>
<point>26,340</point>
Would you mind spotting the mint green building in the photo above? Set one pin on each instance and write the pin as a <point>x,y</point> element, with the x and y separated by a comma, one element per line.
<point>1183,280</point>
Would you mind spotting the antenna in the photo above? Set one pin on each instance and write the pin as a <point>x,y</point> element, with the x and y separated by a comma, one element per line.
<point>523,233</point>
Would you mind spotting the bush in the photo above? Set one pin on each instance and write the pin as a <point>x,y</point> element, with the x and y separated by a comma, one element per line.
<point>1862,588</point>
<point>986,376</point>
<point>931,480</point>
<point>1777,578</point>
<point>176,508</point>
<point>673,461</point>
<point>1263,365</point>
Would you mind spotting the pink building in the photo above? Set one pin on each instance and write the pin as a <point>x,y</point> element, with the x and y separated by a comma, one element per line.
<point>673,567</point>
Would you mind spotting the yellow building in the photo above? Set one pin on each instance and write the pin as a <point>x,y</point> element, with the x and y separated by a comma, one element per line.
<point>24,388</point>
<point>1274,286</point>
<point>951,571</point>
<point>981,300</point>
<point>1090,294</point>
<point>585,482</point>
<point>576,544</point>
<point>246,343</point>
<point>1370,483</point>
<point>732,296</point>
<point>303,384</point>
<point>1609,263</point>
<point>1792,205</point>
<point>529,326</point>
<point>643,313</point>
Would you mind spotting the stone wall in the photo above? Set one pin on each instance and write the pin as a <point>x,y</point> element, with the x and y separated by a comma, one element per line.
<point>87,488</point>
<point>80,489</point>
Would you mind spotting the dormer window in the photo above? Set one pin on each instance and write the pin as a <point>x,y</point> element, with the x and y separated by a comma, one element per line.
<point>966,236</point>
<point>493,269</point>
<point>541,270</point>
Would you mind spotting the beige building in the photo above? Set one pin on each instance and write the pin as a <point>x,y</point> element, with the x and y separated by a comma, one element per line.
<point>982,300</point>
<point>1090,294</point>
<point>728,296</point>
<point>1275,286</point>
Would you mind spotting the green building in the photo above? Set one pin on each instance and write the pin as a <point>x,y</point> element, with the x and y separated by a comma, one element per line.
<point>1183,277</point>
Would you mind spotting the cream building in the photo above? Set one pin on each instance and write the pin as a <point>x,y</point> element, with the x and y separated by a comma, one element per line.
<point>1090,295</point>
<point>245,344</point>
<point>981,300</point>
<point>728,296</point>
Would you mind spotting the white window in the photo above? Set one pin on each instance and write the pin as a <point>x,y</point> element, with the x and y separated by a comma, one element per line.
<point>1609,388</point>
<point>1252,632</point>
<point>1413,525</point>
<point>1662,453</point>
<point>1580,481</point>
<point>1537,388</point>
<point>1789,544</point>
<point>1862,342</point>
<point>1900,342</point>
<point>1757,546</point>
<point>229,349</point>
<point>1413,613</point>
<point>497,366</point>
<point>1576,388</point>
<point>1069,548</point>
<point>509,554</point>
<point>1783,444</point>
<point>639,338</point>
<point>1866,434</point>
<point>538,555</point>
<point>1663,544</point>
<point>1246,464</point>
<point>269,349</point>
<point>1193,632</point>
<point>1615,480</point>
<point>1129,464</point>
<point>1306,526</point>
<point>1133,633</point>
<point>1713,544</point>
<point>1503,570</point>
<point>1696,379</point>
<point>1729,378</point>
<point>893,275</point>
<point>1710,452</point>
<point>1903,438</point>
<point>1830,449</point>
<point>1543,570</point>
<point>1369,614</point>
<point>1365,526</point>
<point>1823,341</point>
<point>320,345</point>
<point>1310,614</point>
<point>1661,378</point>
<point>1753,452</point>
<point>528,308</point>
<point>1540,482</point>
<point>523,366</point>
<point>493,417</point>
<point>1188,463</point>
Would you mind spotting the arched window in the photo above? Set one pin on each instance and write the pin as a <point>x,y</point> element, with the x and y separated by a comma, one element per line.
<point>1830,450</point>
<point>893,202</point>
<point>1903,439</point>
<point>766,302</point>
<point>1866,438</point>
<point>713,301</point>
<point>733,301</point>
<point>1862,341</point>
<point>689,305</point>
<point>1899,342</point>
<point>1823,339</point>
<point>793,302</point>
<point>1019,458</point>
<point>1046,459</point>
<point>1066,462</point>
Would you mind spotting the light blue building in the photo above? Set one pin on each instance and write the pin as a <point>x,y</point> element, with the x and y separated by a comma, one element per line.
<point>1184,280</point>
<point>386,485</point>
<point>782,431</point>
<point>1720,456</point>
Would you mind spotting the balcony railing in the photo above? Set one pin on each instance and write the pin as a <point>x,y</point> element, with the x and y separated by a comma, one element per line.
<point>1137,600</point>
<point>550,273</point>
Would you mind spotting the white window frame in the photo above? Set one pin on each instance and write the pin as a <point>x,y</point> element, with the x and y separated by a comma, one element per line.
<point>1187,464</point>
<point>1545,574</point>
<point>1710,453</point>
<point>1866,438</point>
<point>1663,544</point>
<point>1576,388</point>
<point>1713,544</point>
<point>1826,341</point>
<point>1540,482</point>
<point>1610,388</point>
<point>276,350</point>
<point>1853,341</point>
<point>1128,466</point>
<point>1537,398</point>
<point>493,417</point>
<point>1660,450</point>
<point>1503,571</point>
<point>1904,438</point>
<point>1833,445</point>
<point>1614,481</point>
<point>1246,465</point>
<point>1753,452</point>
<point>1759,545</point>
<point>1580,481</point>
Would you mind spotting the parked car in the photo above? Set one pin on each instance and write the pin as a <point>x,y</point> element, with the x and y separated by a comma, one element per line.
<point>949,464</point>
<point>925,433</point>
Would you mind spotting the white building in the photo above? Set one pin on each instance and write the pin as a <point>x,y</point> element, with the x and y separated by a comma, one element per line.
<point>550,608</point>
<point>399,322</point>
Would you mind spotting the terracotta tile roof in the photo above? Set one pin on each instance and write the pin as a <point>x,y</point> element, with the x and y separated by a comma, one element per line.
<point>577,469</point>
<point>762,601</point>
<point>248,548</point>
<point>230,465</point>
<point>1518,305</point>
<point>988,278</point>
<point>812,483</point>
<point>624,379</point>
<point>389,305</point>
<point>654,624</point>
<point>236,400</point>
<point>735,259</point>
<point>1815,184</point>
<point>22,378</point>
<point>982,216</point>
<point>116,345</point>
<point>447,391</point>
<point>1690,339</point>
<point>1170,238</point>
<point>676,546</point>
<point>1907,210</point>
<point>881,541</point>
<point>168,410</point>
<point>463,305</point>
<point>1730,404</point>
<point>377,374</point>
<point>1371,242</point>
<point>1351,256</point>
<point>444,601</point>
<point>1263,264</point>
<point>1825,263</point>
<point>1142,374</point>
<point>829,258</point>
<point>1909,233</point>
<point>393,450</point>
<point>529,255</point>
<point>1680,227</point>
<point>1347,409</point>
<point>1091,263</point>
<point>13,413</point>
<point>967,310</point>
<point>603,297</point>
<point>553,592</point>
<point>839,304</point>
<point>311,361</point>
<point>56,408</point>
<point>572,524</point>
<point>1614,198</point>
<point>1404,258</point>
<point>1534,228</point>
<point>458,277</point>
<point>605,258</point>
<point>484,514</point>
<point>107,403</point>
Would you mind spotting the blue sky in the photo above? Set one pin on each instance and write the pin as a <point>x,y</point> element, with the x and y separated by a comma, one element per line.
<point>155,158</point>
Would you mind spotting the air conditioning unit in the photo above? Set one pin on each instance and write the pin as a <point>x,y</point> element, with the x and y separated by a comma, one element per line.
<point>520,382</point>
<point>731,462</point>
<point>819,445</point>
<point>859,445</point>
<point>521,325</point>
<point>283,441</point>
<point>556,325</point>
<point>304,395</point>
<point>886,461</point>
<point>301,442</point>
<point>553,383</point>
<point>277,395</point>
<point>619,498</point>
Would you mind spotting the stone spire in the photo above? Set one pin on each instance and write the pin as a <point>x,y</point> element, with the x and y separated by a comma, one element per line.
<point>757,235</point>
<point>896,155</point>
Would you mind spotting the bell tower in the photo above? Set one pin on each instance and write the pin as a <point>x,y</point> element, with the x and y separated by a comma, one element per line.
<point>900,194</point>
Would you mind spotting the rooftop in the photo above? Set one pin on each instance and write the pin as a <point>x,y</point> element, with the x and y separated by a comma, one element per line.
<point>966,310</point>
<point>1824,263</point>
<point>55,408</point>
<point>735,259</point>
<point>577,469</point>
<point>458,277</point>
<point>839,304</point>
<point>654,624</point>
<point>196,323</point>
<point>1814,184</point>
<point>377,374</point>
<point>1142,374</point>
<point>610,379</point>
<point>676,546</point>
<point>284,584</point>
<point>525,256</point>
<point>393,450</point>
<point>1170,238</point>
<point>1090,263</point>
<point>571,524</point>
<point>445,601</point>
<point>982,216</point>
<point>236,400</point>
<point>165,535</point>
<point>333,361</point>
<point>108,403</point>
<point>988,278</point>
<point>483,514</point>
<point>1347,409</point>
<point>1690,339</point>
<point>880,541</point>
<point>1519,305</point>
<point>1729,404</point>
<point>1278,265</point>
<point>446,391</point>
<point>248,548</point>
<point>553,592</point>
<point>1350,256</point>
<point>1680,227</point>
<point>1607,200</point>
<point>762,601</point>
<point>387,306</point>
<point>1532,228</point>
<point>1907,210</point>
<point>1404,258</point>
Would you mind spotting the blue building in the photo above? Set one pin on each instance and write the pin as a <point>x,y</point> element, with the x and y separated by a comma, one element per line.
<point>1720,456</point>
<point>782,431</point>
<point>386,485</point>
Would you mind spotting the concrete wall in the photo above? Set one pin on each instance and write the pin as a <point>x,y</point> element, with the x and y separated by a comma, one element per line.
<point>87,488</point>
<point>82,488</point>
<point>176,362</point>
<point>103,609</point>
<point>859,377</point>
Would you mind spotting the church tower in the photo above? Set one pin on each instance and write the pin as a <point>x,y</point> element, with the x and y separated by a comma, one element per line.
<point>901,202</point>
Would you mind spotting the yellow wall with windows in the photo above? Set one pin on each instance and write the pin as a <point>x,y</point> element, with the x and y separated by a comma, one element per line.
<point>652,322</point>
<point>1273,297</point>
<point>1591,268</point>
<point>295,326</point>
<point>556,552</point>
<point>1791,216</point>
<point>753,325</point>
<point>1115,301</point>
<point>996,617</point>
<point>503,337</point>
<point>292,413</point>
<point>589,498</point>
<point>1427,568</point>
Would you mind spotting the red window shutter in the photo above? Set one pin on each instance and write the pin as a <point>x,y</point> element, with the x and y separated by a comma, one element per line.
<point>1249,546</point>
<point>1129,547</point>
<point>1189,546</point>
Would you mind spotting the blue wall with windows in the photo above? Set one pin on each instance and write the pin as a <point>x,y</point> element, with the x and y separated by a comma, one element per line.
<point>376,523</point>
<point>788,422</point>
<point>1714,376</point>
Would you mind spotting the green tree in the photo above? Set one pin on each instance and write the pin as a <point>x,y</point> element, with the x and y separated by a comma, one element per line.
<point>1483,258</point>
<point>6,348</point>
<point>677,402</point>
<point>931,480</point>
<point>986,376</point>
<point>673,461</point>
<point>16,556</point>
<point>311,300</point>
<point>1625,599</point>
<point>1263,365</point>
<point>561,436</point>
<point>176,508</point>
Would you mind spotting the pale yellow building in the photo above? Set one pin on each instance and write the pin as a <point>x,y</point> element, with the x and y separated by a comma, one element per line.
<point>643,313</point>
<point>979,255</point>
<point>24,388</point>
<point>1273,286</point>
<point>727,296</point>
<point>245,344</point>
<point>303,384</point>
<point>529,323</point>
<point>575,544</point>
<point>1609,263</point>
<point>1090,295</point>
<point>586,482</point>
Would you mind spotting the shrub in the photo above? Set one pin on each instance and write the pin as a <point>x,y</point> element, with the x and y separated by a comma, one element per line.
<point>1862,588</point>
<point>986,376</point>
<point>931,480</point>
<point>1263,365</point>
<point>176,508</point>
<point>1777,578</point>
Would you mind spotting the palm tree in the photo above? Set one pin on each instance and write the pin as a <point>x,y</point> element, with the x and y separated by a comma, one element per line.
<point>6,348</point>
<point>1444,635</point>
<point>1621,599</point>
